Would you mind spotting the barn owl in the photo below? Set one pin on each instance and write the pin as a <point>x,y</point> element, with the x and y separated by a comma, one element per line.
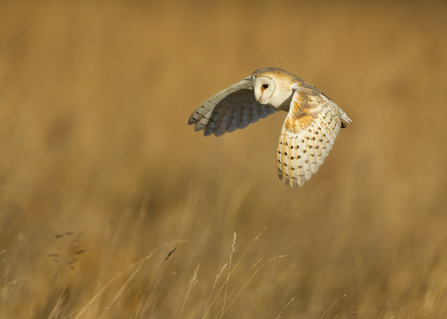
<point>309,131</point>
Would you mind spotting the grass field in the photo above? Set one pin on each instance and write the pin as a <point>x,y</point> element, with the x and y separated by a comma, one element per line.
<point>101,178</point>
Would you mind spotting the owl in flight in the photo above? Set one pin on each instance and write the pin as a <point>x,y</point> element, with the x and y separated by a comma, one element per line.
<point>309,131</point>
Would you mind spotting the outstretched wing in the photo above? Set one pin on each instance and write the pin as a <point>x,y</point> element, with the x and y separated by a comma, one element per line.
<point>308,135</point>
<point>230,109</point>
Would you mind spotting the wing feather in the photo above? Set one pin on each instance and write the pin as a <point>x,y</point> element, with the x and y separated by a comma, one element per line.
<point>230,109</point>
<point>307,136</point>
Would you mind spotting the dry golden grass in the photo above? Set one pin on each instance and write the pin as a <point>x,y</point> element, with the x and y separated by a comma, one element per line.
<point>101,178</point>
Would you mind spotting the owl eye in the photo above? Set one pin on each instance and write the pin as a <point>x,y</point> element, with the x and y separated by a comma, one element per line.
<point>265,86</point>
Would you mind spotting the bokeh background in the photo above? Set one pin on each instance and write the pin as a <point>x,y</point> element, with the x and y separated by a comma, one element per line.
<point>101,178</point>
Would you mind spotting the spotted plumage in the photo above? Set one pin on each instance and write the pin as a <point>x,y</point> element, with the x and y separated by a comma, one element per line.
<point>308,133</point>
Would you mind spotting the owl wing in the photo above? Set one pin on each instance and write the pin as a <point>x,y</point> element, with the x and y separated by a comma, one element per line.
<point>307,135</point>
<point>230,109</point>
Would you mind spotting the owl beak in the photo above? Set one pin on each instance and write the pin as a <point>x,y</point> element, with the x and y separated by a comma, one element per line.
<point>262,92</point>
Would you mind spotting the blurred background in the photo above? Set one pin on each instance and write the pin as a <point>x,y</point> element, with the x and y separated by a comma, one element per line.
<point>101,178</point>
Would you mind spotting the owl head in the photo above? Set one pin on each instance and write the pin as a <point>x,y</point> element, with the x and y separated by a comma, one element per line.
<point>264,88</point>
<point>271,87</point>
